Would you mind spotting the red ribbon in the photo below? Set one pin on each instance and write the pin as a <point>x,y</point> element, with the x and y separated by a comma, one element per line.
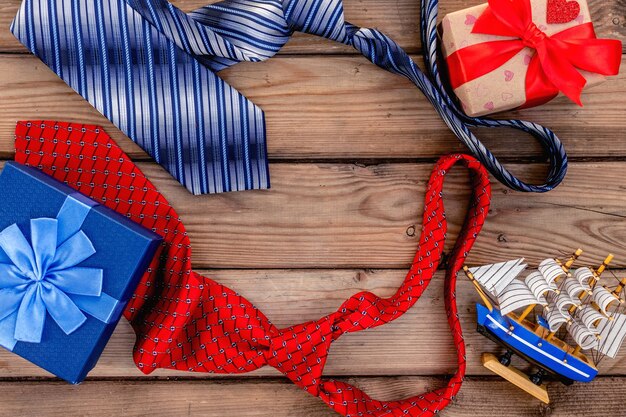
<point>555,66</point>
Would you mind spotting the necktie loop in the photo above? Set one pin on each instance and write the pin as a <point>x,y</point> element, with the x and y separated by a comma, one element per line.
<point>309,16</point>
<point>300,352</point>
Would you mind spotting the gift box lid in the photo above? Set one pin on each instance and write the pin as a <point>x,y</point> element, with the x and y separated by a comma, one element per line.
<point>123,251</point>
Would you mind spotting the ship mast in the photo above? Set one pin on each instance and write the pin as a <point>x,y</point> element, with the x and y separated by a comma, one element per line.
<point>613,331</point>
<point>595,278</point>
<point>593,282</point>
<point>618,290</point>
<point>566,268</point>
<point>605,263</point>
<point>478,288</point>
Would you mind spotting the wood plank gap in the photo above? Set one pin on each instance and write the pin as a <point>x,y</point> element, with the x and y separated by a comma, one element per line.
<point>372,162</point>
<point>301,97</point>
<point>228,379</point>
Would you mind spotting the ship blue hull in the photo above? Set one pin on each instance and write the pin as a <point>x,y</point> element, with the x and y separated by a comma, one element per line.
<point>533,347</point>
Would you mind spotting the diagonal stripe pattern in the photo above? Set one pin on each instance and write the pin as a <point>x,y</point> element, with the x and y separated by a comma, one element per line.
<point>204,132</point>
<point>150,68</point>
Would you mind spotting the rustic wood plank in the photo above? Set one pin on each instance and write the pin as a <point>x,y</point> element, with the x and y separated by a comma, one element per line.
<point>383,115</point>
<point>350,216</point>
<point>478,397</point>
<point>342,215</point>
<point>398,19</point>
<point>419,342</point>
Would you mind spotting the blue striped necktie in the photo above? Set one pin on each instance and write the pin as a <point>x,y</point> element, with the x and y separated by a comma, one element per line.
<point>150,68</point>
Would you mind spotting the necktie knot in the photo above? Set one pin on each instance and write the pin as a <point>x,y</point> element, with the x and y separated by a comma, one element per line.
<point>300,352</point>
<point>533,36</point>
<point>317,17</point>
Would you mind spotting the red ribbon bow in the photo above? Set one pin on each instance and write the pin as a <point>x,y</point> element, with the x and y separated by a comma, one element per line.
<point>557,61</point>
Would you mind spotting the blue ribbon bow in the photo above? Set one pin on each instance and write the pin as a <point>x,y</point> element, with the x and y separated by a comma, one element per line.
<point>43,276</point>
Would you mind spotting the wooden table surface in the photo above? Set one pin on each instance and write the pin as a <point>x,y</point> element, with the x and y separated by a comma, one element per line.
<point>343,216</point>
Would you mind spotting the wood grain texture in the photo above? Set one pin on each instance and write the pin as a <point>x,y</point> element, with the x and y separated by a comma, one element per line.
<point>419,343</point>
<point>344,215</point>
<point>383,115</point>
<point>478,398</point>
<point>340,220</point>
<point>397,18</point>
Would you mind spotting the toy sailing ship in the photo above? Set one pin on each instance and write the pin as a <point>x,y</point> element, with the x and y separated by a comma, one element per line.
<point>569,322</point>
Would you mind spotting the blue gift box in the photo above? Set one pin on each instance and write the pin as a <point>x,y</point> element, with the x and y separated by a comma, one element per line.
<point>85,262</point>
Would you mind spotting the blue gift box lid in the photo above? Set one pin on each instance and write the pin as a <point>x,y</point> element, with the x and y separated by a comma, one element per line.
<point>123,251</point>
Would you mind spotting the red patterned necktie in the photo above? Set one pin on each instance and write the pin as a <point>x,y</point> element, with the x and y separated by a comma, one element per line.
<point>188,322</point>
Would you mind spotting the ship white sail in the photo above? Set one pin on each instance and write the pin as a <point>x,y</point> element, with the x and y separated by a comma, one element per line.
<point>517,295</point>
<point>496,277</point>
<point>564,301</point>
<point>584,276</point>
<point>538,284</point>
<point>551,270</point>
<point>591,318</point>
<point>582,336</point>
<point>555,318</point>
<point>557,311</point>
<point>573,288</point>
<point>612,334</point>
<point>603,298</point>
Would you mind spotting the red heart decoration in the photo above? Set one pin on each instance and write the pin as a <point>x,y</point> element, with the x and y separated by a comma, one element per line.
<point>562,11</point>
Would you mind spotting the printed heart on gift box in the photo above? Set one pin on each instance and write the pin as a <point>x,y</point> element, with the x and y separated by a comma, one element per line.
<point>470,19</point>
<point>508,75</point>
<point>562,11</point>
<point>479,91</point>
<point>489,106</point>
<point>527,59</point>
